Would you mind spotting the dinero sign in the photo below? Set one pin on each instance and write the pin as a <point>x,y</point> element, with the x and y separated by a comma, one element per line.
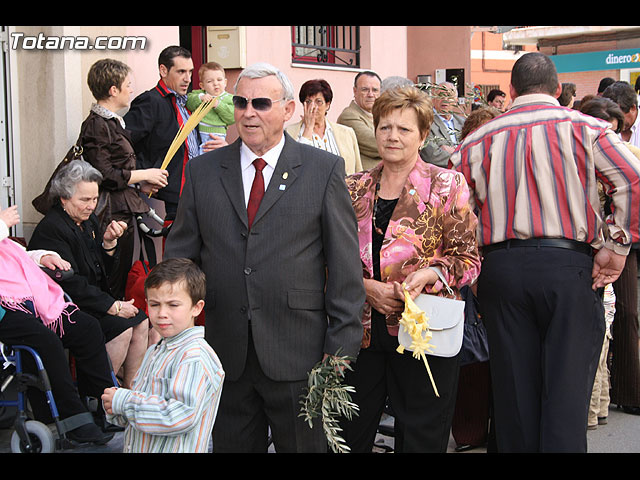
<point>613,59</point>
<point>591,61</point>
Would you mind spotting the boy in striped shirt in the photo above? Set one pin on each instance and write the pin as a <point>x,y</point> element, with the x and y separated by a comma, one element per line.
<point>174,398</point>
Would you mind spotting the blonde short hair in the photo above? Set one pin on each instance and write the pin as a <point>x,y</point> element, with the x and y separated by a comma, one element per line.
<point>405,97</point>
<point>210,66</point>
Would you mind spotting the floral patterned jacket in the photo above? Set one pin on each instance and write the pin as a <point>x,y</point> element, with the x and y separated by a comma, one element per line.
<point>432,225</point>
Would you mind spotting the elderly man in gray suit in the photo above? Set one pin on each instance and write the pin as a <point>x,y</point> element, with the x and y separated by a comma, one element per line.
<point>444,134</point>
<point>284,283</point>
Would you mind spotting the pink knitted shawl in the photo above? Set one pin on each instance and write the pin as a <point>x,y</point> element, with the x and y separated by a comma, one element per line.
<point>22,280</point>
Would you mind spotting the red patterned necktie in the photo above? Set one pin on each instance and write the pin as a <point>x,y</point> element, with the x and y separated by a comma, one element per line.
<point>257,190</point>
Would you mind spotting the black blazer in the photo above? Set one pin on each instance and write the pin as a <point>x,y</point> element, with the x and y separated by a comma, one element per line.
<point>153,123</point>
<point>88,287</point>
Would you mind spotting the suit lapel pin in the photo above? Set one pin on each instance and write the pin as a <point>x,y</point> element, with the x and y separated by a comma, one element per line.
<point>282,186</point>
<point>285,175</point>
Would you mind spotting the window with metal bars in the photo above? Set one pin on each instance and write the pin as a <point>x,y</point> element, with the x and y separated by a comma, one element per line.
<point>326,45</point>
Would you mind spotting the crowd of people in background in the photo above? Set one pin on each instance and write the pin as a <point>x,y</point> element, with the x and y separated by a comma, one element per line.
<point>301,239</point>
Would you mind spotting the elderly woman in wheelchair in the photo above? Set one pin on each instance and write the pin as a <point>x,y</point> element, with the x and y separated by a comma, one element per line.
<point>37,314</point>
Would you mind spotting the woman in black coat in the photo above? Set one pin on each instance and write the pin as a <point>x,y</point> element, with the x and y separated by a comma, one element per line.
<point>72,229</point>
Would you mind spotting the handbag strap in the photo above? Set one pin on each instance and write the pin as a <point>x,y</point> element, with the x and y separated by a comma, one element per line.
<point>78,148</point>
<point>78,144</point>
<point>443,280</point>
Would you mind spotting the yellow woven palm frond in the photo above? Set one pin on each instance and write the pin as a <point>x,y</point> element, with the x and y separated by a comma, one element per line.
<point>416,323</point>
<point>195,118</point>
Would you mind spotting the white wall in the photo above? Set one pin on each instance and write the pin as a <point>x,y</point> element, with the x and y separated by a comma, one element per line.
<point>273,44</point>
<point>50,97</point>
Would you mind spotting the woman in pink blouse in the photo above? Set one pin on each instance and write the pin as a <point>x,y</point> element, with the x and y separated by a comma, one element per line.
<point>413,217</point>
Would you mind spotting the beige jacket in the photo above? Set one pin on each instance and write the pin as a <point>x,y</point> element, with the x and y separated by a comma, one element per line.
<point>362,123</point>
<point>347,144</point>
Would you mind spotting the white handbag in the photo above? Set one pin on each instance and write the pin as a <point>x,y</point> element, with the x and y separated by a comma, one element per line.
<point>445,319</point>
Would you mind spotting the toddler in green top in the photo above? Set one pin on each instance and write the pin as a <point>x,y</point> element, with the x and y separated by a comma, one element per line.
<point>213,83</point>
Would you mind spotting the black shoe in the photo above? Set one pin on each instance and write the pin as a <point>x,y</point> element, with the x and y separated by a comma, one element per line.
<point>89,433</point>
<point>387,430</point>
<point>111,428</point>
<point>631,410</point>
<point>105,426</point>
<point>101,420</point>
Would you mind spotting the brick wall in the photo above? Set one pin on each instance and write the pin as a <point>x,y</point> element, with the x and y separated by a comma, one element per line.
<point>587,82</point>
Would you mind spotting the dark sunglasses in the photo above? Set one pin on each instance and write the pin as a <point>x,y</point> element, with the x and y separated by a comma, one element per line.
<point>262,104</point>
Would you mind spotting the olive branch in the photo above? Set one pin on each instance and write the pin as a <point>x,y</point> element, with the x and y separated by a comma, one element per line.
<point>327,398</point>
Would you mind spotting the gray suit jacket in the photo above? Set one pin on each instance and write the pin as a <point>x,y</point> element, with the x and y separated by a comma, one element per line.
<point>295,277</point>
<point>439,135</point>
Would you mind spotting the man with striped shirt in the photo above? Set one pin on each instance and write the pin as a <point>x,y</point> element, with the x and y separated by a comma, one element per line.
<point>534,174</point>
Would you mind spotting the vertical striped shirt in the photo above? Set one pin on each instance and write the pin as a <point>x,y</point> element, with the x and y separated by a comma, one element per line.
<point>174,399</point>
<point>327,142</point>
<point>193,139</point>
<point>533,172</point>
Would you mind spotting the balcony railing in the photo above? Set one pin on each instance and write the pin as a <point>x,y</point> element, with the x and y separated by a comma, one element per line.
<point>326,45</point>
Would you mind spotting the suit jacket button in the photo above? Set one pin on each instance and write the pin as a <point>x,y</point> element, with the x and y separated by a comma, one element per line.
<point>247,271</point>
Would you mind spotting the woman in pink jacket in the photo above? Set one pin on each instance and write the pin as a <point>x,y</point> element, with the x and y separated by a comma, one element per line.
<point>413,218</point>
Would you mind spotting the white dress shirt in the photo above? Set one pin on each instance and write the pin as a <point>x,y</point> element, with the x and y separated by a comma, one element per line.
<point>635,132</point>
<point>249,171</point>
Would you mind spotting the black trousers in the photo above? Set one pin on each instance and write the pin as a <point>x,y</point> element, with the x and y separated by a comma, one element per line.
<point>470,424</point>
<point>625,366</point>
<point>118,277</point>
<point>85,341</point>
<point>381,374</point>
<point>253,404</point>
<point>545,327</point>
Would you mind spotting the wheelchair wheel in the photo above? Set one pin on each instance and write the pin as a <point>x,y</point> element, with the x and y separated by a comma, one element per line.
<point>42,440</point>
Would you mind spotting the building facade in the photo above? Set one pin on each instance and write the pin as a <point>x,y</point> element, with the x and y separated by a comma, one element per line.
<point>585,54</point>
<point>45,96</point>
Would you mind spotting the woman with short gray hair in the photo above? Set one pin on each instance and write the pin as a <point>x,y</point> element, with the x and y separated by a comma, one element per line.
<point>72,229</point>
<point>64,184</point>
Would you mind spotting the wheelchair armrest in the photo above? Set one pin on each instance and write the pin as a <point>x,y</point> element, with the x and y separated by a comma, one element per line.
<point>58,274</point>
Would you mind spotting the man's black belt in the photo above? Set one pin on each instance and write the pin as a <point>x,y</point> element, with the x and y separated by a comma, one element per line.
<point>541,242</point>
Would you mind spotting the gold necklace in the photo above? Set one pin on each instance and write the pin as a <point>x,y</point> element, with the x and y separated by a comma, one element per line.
<point>375,210</point>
